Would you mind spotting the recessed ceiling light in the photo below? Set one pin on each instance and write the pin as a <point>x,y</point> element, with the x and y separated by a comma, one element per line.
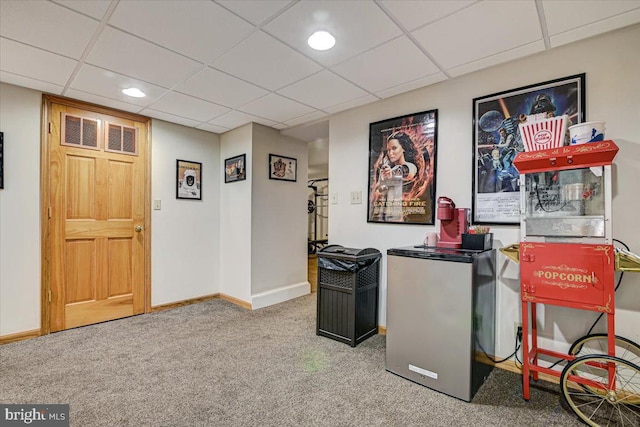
<point>321,40</point>
<point>134,92</point>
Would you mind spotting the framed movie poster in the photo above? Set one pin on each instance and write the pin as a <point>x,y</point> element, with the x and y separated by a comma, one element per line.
<point>402,169</point>
<point>1,160</point>
<point>283,168</point>
<point>234,169</point>
<point>188,177</point>
<point>497,140</point>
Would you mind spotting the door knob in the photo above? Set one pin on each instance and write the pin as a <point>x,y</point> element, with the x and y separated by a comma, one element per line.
<point>138,228</point>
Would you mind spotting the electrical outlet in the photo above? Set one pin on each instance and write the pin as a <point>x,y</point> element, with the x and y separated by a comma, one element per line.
<point>516,325</point>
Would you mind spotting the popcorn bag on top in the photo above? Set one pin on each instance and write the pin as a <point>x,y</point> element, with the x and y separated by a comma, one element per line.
<point>544,134</point>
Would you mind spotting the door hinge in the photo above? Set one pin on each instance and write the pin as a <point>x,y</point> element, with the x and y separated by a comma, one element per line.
<point>49,127</point>
<point>49,296</point>
<point>49,211</point>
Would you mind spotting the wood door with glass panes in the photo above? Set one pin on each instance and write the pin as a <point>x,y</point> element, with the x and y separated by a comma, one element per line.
<point>97,178</point>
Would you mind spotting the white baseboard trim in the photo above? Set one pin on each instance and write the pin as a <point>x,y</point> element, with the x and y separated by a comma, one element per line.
<point>275,296</point>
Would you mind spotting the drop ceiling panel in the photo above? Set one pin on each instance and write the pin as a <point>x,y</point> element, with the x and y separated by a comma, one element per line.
<point>396,62</point>
<point>94,9</point>
<point>277,108</point>
<point>416,84</point>
<point>102,100</point>
<point>188,106</point>
<point>255,11</point>
<point>169,117</point>
<point>263,60</point>
<point>567,15</point>
<point>481,30</point>
<point>212,128</point>
<point>306,118</point>
<point>15,79</point>
<point>412,14</point>
<point>216,86</point>
<point>131,56</point>
<point>201,31</point>
<point>109,84</point>
<point>619,21</point>
<point>351,104</point>
<point>18,58</point>
<point>519,52</point>
<point>46,25</point>
<point>356,25</point>
<point>335,90</point>
<point>234,119</point>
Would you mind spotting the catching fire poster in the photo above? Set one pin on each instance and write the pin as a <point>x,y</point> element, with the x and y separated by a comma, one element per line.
<point>402,169</point>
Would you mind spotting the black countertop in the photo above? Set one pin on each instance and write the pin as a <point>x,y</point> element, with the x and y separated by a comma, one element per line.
<point>433,252</point>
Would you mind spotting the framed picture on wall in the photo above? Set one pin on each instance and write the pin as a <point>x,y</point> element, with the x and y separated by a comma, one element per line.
<point>234,169</point>
<point>497,140</point>
<point>402,169</point>
<point>283,168</point>
<point>189,180</point>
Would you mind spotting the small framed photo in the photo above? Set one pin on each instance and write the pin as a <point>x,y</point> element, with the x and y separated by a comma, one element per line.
<point>234,169</point>
<point>189,180</point>
<point>283,168</point>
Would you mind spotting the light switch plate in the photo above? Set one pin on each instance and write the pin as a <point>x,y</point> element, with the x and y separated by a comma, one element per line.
<point>157,205</point>
<point>334,198</point>
<point>356,197</point>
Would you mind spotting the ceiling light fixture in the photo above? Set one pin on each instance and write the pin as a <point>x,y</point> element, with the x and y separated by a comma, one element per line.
<point>321,40</point>
<point>134,92</point>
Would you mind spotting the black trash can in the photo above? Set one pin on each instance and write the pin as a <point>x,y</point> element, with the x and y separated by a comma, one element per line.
<point>348,281</point>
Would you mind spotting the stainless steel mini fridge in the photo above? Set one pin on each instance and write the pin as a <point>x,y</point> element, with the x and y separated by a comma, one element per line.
<point>440,317</point>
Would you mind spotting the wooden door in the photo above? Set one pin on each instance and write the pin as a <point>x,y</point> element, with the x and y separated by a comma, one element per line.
<point>96,249</point>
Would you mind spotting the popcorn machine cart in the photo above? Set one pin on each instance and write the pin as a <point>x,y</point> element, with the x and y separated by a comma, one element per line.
<point>567,259</point>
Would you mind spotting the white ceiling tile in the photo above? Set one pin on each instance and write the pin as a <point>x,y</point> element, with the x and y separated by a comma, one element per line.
<point>412,14</point>
<point>102,100</point>
<point>131,56</point>
<point>583,13</point>
<point>415,84</point>
<point>266,62</point>
<point>50,26</point>
<point>18,58</point>
<point>23,81</point>
<point>109,84</point>
<point>216,86</point>
<point>396,62</point>
<point>189,107</point>
<point>499,58</point>
<point>306,118</point>
<point>334,90</point>
<point>202,31</point>
<point>351,104</point>
<point>277,108</point>
<point>169,117</point>
<point>234,119</point>
<point>607,24</point>
<point>356,25</point>
<point>484,29</point>
<point>212,128</point>
<point>254,11</point>
<point>94,9</point>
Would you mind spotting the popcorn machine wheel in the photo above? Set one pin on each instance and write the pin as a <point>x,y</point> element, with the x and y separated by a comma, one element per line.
<point>567,259</point>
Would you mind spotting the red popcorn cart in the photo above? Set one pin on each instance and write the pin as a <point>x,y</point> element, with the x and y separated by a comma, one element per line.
<point>567,258</point>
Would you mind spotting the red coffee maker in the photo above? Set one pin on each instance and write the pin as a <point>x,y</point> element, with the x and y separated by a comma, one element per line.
<point>453,223</point>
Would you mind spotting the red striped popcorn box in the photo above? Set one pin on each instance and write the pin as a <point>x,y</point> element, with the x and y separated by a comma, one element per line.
<point>544,134</point>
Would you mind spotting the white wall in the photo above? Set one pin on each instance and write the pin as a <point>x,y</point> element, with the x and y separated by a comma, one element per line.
<point>612,67</point>
<point>185,251</point>
<point>235,217</point>
<point>20,210</point>
<point>279,222</point>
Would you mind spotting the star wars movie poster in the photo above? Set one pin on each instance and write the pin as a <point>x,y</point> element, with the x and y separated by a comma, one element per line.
<point>402,169</point>
<point>497,141</point>
<point>188,180</point>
